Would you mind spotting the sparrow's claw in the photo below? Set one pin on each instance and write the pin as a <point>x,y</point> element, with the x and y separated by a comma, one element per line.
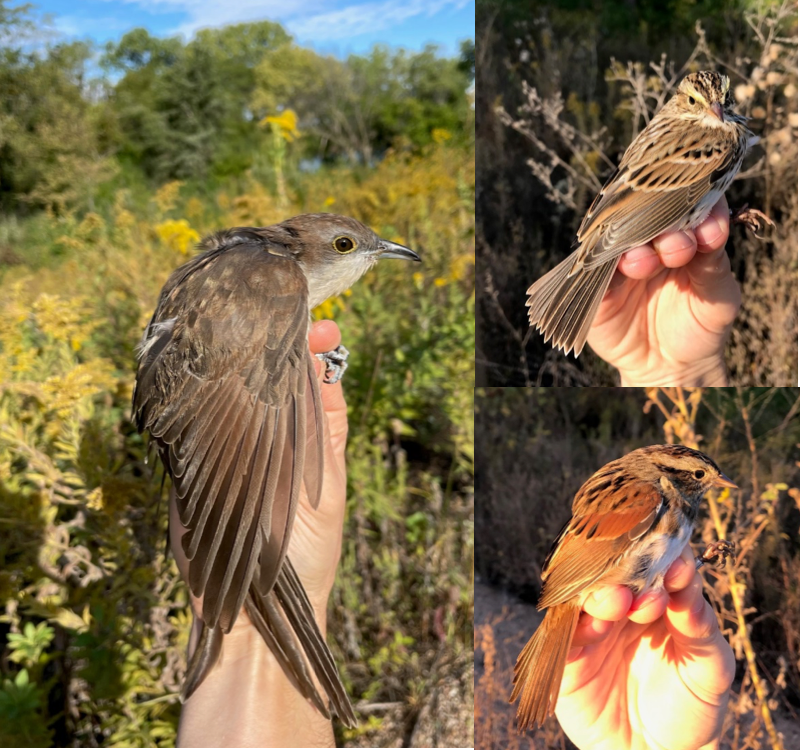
<point>715,553</point>
<point>335,363</point>
<point>750,217</point>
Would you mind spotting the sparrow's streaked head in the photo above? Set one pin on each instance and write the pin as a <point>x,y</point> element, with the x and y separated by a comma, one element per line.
<point>706,97</point>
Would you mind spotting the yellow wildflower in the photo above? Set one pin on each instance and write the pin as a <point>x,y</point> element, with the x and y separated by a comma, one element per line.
<point>285,124</point>
<point>329,308</point>
<point>177,234</point>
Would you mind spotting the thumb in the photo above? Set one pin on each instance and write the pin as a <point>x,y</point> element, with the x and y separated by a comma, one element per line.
<point>717,295</point>
<point>708,662</point>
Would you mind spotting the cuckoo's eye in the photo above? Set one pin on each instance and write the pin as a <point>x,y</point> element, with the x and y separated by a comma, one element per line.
<point>344,245</point>
<point>699,474</point>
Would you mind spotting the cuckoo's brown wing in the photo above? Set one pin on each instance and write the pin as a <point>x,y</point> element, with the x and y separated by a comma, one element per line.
<point>226,387</point>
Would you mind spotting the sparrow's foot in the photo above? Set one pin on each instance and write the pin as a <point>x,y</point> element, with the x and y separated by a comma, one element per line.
<point>335,363</point>
<point>750,217</point>
<point>715,553</point>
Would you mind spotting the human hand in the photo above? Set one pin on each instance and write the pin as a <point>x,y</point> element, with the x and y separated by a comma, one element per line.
<point>654,673</point>
<point>247,679</point>
<point>669,308</point>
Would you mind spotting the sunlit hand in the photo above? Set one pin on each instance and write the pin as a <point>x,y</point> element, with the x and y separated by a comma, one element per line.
<point>652,674</point>
<point>666,316</point>
<point>247,687</point>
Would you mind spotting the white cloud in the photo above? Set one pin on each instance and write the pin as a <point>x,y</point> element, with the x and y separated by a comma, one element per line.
<point>367,17</point>
<point>311,20</point>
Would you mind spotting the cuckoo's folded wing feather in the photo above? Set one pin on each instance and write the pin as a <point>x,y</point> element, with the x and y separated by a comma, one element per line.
<point>226,388</point>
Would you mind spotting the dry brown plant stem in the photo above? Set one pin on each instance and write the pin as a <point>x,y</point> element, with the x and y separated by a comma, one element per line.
<point>737,589</point>
<point>680,413</point>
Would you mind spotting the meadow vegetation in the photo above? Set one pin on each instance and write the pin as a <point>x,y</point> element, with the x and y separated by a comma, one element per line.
<point>120,182</point>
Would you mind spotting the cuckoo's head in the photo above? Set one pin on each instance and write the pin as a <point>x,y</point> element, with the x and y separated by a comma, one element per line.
<point>336,251</point>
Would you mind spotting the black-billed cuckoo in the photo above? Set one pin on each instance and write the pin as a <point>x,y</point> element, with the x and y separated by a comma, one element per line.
<point>226,388</point>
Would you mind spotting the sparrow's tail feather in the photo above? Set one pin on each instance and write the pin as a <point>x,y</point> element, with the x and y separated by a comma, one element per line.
<point>540,666</point>
<point>563,307</point>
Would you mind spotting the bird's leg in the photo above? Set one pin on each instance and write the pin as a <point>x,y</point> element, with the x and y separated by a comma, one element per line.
<point>750,218</point>
<point>715,553</point>
<point>335,363</point>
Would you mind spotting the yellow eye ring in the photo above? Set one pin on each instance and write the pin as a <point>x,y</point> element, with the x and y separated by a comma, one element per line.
<point>344,244</point>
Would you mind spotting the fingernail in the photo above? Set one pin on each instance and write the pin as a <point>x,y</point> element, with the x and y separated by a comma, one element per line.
<point>706,234</point>
<point>675,569</point>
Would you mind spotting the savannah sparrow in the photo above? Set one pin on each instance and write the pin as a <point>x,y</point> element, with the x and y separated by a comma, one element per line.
<point>669,179</point>
<point>629,523</point>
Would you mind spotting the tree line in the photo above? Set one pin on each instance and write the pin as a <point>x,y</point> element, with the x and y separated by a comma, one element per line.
<point>169,108</point>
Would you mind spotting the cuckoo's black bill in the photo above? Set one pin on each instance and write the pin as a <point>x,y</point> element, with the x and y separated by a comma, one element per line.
<point>227,389</point>
<point>393,250</point>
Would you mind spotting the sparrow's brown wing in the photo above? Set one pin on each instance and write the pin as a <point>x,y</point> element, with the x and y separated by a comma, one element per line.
<point>226,388</point>
<point>645,197</point>
<point>592,539</point>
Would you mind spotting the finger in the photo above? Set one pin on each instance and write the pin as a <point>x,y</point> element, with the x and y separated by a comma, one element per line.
<point>669,250</point>
<point>681,572</point>
<point>324,336</point>
<point>648,607</point>
<point>717,295</point>
<point>609,602</point>
<point>601,609</point>
<point>639,263</point>
<point>712,233</point>
<point>689,613</point>
<point>590,630</point>
<point>618,279</point>
<point>675,249</point>
<point>699,643</point>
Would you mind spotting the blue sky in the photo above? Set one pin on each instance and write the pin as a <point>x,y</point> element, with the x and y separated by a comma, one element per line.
<point>336,27</point>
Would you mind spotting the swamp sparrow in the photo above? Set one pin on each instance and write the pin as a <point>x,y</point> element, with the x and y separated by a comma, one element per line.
<point>629,523</point>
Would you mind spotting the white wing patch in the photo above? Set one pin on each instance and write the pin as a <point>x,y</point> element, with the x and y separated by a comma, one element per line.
<point>151,334</point>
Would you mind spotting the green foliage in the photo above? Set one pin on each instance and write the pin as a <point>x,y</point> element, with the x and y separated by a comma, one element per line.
<point>363,105</point>
<point>27,647</point>
<point>21,713</point>
<point>191,110</point>
<point>50,152</point>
